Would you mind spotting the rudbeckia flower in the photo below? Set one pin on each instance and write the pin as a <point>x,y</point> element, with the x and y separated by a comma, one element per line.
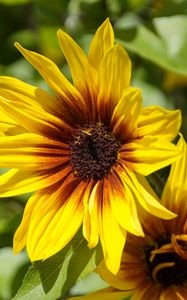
<point>155,266</point>
<point>83,150</point>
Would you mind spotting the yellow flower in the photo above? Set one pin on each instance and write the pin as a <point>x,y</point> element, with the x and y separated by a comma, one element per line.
<point>82,150</point>
<point>155,266</point>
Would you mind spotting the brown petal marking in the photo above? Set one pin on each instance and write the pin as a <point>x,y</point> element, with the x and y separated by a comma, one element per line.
<point>74,116</point>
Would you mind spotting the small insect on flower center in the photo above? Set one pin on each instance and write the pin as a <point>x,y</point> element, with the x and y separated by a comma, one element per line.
<point>94,149</point>
<point>164,264</point>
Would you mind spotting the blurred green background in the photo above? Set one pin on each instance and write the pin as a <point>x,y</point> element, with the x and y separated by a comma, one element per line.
<point>155,36</point>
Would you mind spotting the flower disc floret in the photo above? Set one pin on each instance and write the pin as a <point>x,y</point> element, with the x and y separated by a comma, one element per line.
<point>94,150</point>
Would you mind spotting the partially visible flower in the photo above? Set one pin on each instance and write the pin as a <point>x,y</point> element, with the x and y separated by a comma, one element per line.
<point>83,149</point>
<point>155,267</point>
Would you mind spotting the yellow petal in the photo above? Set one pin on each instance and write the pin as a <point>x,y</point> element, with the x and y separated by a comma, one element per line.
<point>57,219</point>
<point>76,58</point>
<point>175,190</point>
<point>20,236</point>
<point>17,182</point>
<point>33,98</point>
<point>32,151</point>
<point>102,41</point>
<point>114,77</point>
<point>16,95</point>
<point>82,73</point>
<point>125,115</point>
<point>111,235</point>
<point>22,93</point>
<point>9,126</point>
<point>149,154</point>
<point>89,228</point>
<point>35,120</point>
<point>143,196</point>
<point>153,226</point>
<point>156,120</point>
<point>123,204</point>
<point>104,294</point>
<point>56,80</point>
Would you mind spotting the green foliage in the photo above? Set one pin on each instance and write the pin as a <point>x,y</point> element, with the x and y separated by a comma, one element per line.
<point>167,48</point>
<point>54,277</point>
<point>90,283</point>
<point>14,2</point>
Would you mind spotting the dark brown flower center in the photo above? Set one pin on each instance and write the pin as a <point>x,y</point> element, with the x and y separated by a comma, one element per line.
<point>164,264</point>
<point>94,149</point>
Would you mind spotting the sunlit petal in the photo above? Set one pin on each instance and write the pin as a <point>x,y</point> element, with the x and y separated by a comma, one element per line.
<point>125,115</point>
<point>9,126</point>
<point>83,75</point>
<point>108,229</point>
<point>89,228</point>
<point>34,120</point>
<point>115,71</point>
<point>56,80</point>
<point>146,199</point>
<point>20,237</point>
<point>57,219</point>
<point>16,182</point>
<point>123,204</point>
<point>149,154</point>
<point>177,181</point>
<point>102,41</point>
<point>31,151</point>
<point>156,120</point>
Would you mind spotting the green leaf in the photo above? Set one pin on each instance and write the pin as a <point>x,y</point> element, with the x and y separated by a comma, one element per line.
<point>168,48</point>
<point>14,2</point>
<point>174,34</point>
<point>89,284</point>
<point>53,277</point>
